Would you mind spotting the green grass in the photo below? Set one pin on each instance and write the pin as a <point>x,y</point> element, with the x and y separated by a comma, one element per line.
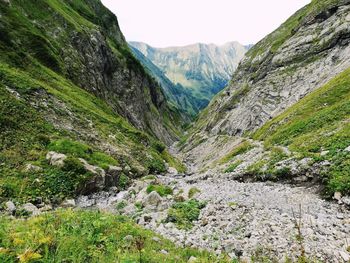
<point>232,167</point>
<point>86,236</point>
<point>242,148</point>
<point>162,190</point>
<point>184,213</point>
<point>317,122</point>
<point>81,150</point>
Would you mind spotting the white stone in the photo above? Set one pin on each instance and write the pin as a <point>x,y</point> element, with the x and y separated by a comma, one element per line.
<point>56,159</point>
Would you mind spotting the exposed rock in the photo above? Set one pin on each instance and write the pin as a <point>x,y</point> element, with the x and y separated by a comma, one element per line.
<point>192,259</point>
<point>337,196</point>
<point>347,149</point>
<point>172,170</point>
<point>112,176</point>
<point>30,209</point>
<point>32,168</point>
<point>10,207</point>
<point>152,199</point>
<point>68,203</point>
<point>56,159</point>
<point>345,256</point>
<point>163,251</point>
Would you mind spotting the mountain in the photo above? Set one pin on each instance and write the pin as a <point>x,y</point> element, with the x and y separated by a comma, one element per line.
<point>70,88</point>
<point>291,93</point>
<point>202,69</point>
<point>180,97</point>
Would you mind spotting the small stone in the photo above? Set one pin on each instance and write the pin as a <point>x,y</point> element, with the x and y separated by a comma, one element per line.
<point>337,196</point>
<point>172,171</point>
<point>347,149</point>
<point>68,203</point>
<point>340,216</point>
<point>156,239</point>
<point>128,238</point>
<point>163,251</point>
<point>32,168</point>
<point>323,153</point>
<point>192,259</point>
<point>345,256</point>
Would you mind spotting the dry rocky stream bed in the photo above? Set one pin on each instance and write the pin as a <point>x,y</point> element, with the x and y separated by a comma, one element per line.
<point>240,219</point>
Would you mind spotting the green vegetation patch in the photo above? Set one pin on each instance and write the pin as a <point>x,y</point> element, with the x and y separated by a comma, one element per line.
<point>184,213</point>
<point>87,236</point>
<point>242,148</point>
<point>162,190</point>
<point>193,191</point>
<point>232,167</point>
<point>318,122</point>
<point>81,150</point>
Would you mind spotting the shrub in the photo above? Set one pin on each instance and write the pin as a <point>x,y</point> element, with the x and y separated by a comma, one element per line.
<point>160,189</point>
<point>124,181</point>
<point>184,213</point>
<point>155,166</point>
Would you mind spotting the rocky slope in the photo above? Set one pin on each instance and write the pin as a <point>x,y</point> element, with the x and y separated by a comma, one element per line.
<point>251,222</point>
<point>285,114</point>
<point>308,50</point>
<point>78,112</point>
<point>177,95</point>
<point>202,69</point>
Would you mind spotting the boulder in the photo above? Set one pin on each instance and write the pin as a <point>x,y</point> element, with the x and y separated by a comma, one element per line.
<point>56,159</point>
<point>95,183</point>
<point>112,176</point>
<point>30,209</point>
<point>152,199</point>
<point>10,207</point>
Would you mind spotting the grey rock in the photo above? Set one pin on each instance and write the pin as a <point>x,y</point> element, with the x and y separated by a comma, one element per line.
<point>347,149</point>
<point>10,207</point>
<point>31,209</point>
<point>68,203</point>
<point>56,159</point>
<point>163,251</point>
<point>32,168</point>
<point>152,199</point>
<point>192,259</point>
<point>345,256</point>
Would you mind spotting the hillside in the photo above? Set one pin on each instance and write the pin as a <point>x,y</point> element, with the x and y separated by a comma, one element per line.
<point>290,92</point>
<point>69,84</point>
<point>202,69</point>
<point>180,97</point>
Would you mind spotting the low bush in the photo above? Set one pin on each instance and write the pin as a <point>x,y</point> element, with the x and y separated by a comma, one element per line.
<point>160,189</point>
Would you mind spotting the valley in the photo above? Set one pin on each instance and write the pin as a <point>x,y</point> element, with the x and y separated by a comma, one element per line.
<point>116,151</point>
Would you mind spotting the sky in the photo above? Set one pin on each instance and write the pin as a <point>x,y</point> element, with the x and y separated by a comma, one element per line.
<point>162,23</point>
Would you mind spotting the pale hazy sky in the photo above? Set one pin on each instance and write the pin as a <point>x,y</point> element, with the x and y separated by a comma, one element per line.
<point>163,23</point>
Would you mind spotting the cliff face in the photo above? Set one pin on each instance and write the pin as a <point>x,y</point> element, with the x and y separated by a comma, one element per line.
<point>307,51</point>
<point>202,69</point>
<point>83,43</point>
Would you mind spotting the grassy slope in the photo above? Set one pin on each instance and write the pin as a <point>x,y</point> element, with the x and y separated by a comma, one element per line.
<point>318,122</point>
<point>32,123</point>
<point>67,236</point>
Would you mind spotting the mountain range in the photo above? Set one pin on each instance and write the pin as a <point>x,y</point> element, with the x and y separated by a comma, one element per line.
<point>201,69</point>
